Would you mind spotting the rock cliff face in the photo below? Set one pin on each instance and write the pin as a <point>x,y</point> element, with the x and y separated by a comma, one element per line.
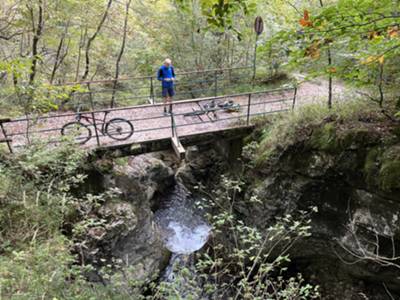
<point>126,233</point>
<point>352,174</point>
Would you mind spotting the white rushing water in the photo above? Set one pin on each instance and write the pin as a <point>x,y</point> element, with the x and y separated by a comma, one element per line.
<point>186,240</point>
<point>183,230</point>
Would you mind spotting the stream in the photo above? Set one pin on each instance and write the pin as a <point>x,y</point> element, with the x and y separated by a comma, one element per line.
<point>183,230</point>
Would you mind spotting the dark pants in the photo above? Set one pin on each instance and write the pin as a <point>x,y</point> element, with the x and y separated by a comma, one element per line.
<point>168,91</point>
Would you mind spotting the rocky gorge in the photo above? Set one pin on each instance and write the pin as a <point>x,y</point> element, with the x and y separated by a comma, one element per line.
<point>348,171</point>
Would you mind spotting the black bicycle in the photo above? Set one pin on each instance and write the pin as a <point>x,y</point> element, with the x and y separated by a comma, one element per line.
<point>116,128</point>
<point>212,107</point>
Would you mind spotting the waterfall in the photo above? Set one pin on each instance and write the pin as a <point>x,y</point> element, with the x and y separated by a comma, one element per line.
<point>183,230</point>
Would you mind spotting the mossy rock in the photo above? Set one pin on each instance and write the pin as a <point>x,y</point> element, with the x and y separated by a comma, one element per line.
<point>121,161</point>
<point>324,138</point>
<point>372,166</point>
<point>358,137</point>
<point>389,174</point>
<point>396,131</point>
<point>104,165</point>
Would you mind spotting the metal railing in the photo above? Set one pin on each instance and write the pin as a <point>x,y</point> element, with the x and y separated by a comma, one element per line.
<point>149,122</point>
<point>147,89</point>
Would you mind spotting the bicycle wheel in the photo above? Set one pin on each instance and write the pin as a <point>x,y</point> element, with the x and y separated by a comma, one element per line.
<point>80,132</point>
<point>119,129</point>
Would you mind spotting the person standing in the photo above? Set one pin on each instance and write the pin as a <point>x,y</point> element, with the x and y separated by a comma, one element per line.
<point>166,75</point>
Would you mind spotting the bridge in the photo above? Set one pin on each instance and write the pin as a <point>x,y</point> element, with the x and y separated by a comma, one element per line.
<point>136,101</point>
<point>189,123</point>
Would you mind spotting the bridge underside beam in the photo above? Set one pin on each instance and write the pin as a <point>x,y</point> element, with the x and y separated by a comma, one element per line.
<point>178,148</point>
<point>167,143</point>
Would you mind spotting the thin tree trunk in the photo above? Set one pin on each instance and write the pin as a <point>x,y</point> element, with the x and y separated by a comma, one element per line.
<point>329,54</point>
<point>36,38</point>
<point>121,52</point>
<point>330,77</point>
<point>59,56</point>
<point>380,85</point>
<point>82,42</point>
<point>92,38</point>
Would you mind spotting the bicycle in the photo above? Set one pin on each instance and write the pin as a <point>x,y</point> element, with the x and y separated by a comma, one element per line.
<point>116,128</point>
<point>212,107</point>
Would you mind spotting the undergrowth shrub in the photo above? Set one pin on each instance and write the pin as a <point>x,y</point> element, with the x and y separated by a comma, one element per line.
<point>284,129</point>
<point>245,262</point>
<point>37,260</point>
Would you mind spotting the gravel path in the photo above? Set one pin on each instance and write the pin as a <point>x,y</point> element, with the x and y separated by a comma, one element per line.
<point>316,91</point>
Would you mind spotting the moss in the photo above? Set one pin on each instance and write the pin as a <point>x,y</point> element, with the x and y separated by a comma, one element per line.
<point>262,157</point>
<point>389,175</point>
<point>324,138</point>
<point>396,131</point>
<point>104,165</point>
<point>121,161</point>
<point>371,166</point>
<point>353,138</point>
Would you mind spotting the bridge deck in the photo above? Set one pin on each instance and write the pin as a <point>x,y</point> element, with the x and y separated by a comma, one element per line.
<point>150,123</point>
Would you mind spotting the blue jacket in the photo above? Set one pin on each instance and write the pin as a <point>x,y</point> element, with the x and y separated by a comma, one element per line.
<point>166,72</point>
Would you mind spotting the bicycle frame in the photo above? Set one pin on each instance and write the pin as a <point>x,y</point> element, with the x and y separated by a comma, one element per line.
<point>89,120</point>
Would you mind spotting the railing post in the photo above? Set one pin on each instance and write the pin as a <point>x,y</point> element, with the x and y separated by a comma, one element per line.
<point>294,97</point>
<point>95,129</point>
<point>91,102</point>
<point>90,95</point>
<point>248,110</point>
<point>152,90</point>
<point>215,83</point>
<point>172,120</point>
<point>5,137</point>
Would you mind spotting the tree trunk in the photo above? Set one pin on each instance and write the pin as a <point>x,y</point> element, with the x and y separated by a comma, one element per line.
<point>330,85</point>
<point>121,52</point>
<point>380,85</point>
<point>59,56</point>
<point>92,38</point>
<point>36,38</point>
<point>82,42</point>
<point>330,77</point>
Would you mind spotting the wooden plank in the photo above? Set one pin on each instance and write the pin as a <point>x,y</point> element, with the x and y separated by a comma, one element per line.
<point>178,148</point>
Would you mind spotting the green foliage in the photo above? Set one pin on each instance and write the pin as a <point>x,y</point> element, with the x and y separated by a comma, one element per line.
<point>33,192</point>
<point>244,262</point>
<point>324,138</point>
<point>36,260</point>
<point>41,271</point>
<point>220,13</point>
<point>288,128</point>
<point>355,40</point>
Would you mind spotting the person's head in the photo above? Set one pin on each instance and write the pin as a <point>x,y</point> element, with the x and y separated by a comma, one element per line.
<point>167,62</point>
